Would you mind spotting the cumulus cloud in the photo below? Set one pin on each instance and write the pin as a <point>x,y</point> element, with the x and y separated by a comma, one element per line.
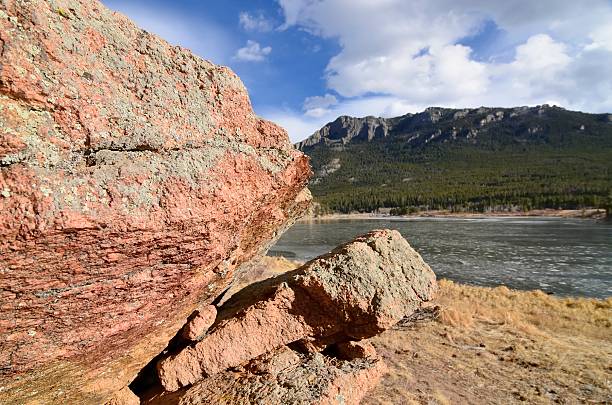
<point>255,22</point>
<point>252,52</point>
<point>418,53</point>
<point>601,38</point>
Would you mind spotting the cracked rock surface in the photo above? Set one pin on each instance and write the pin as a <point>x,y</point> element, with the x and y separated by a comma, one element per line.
<point>308,379</point>
<point>355,292</point>
<point>135,184</point>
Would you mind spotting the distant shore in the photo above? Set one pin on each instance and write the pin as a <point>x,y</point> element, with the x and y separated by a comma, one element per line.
<point>584,214</point>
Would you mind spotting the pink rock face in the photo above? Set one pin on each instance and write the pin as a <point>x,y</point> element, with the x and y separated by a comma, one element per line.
<point>357,291</point>
<point>135,180</point>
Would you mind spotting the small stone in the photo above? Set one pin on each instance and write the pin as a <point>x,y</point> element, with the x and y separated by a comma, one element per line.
<point>199,323</point>
<point>274,362</point>
<point>6,193</point>
<point>355,350</point>
<point>309,346</point>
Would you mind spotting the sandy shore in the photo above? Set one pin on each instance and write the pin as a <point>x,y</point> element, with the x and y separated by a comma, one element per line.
<point>584,214</point>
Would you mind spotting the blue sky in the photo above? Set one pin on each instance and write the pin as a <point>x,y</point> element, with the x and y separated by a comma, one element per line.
<point>305,62</point>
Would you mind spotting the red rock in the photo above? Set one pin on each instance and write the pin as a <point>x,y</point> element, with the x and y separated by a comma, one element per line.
<point>259,329</point>
<point>355,350</point>
<point>135,181</point>
<point>274,362</point>
<point>308,379</point>
<point>199,322</point>
<point>355,292</point>
<point>124,397</point>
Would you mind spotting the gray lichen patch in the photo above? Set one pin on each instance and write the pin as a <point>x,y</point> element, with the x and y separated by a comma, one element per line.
<point>25,125</point>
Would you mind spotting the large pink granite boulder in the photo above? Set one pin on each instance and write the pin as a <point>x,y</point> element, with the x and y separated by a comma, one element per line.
<point>135,181</point>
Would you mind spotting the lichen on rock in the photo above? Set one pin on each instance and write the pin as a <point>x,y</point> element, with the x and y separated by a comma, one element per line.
<point>136,182</point>
<point>355,292</point>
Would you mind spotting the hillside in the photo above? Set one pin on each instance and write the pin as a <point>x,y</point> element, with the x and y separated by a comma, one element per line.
<point>464,160</point>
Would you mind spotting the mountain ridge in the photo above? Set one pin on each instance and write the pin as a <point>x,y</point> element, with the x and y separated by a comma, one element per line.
<point>381,126</point>
<point>470,159</point>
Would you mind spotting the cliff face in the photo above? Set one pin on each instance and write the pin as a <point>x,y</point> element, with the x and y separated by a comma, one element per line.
<point>136,183</point>
<point>446,124</point>
<point>344,129</point>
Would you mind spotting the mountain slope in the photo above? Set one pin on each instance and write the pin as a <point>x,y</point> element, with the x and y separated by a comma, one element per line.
<point>469,159</point>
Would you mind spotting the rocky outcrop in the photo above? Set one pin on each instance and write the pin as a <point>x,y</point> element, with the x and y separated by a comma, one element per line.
<point>135,184</point>
<point>434,124</point>
<point>331,303</point>
<point>287,377</point>
<point>346,129</point>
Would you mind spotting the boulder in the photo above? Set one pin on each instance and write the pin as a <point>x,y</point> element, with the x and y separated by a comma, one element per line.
<point>135,184</point>
<point>355,292</point>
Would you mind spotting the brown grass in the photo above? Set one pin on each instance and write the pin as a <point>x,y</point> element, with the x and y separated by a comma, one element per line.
<point>495,346</point>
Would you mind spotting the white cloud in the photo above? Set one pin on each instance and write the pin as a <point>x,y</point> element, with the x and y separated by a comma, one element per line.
<point>257,22</point>
<point>320,101</point>
<point>541,54</point>
<point>555,79</point>
<point>412,52</point>
<point>601,38</point>
<point>252,52</point>
<point>318,106</point>
<point>297,125</point>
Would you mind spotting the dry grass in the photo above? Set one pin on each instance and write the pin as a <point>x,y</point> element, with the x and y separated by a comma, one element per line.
<point>495,346</point>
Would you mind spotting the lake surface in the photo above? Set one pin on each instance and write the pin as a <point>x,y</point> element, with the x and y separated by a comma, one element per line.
<point>557,255</point>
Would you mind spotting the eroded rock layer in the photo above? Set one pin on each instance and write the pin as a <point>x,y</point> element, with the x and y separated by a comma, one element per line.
<point>286,377</point>
<point>355,292</point>
<point>135,180</point>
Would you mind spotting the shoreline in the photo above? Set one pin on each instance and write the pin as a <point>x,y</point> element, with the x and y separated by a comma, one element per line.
<point>547,213</point>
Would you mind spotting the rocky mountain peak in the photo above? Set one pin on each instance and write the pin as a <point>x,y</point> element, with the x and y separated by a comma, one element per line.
<point>431,124</point>
<point>346,129</point>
